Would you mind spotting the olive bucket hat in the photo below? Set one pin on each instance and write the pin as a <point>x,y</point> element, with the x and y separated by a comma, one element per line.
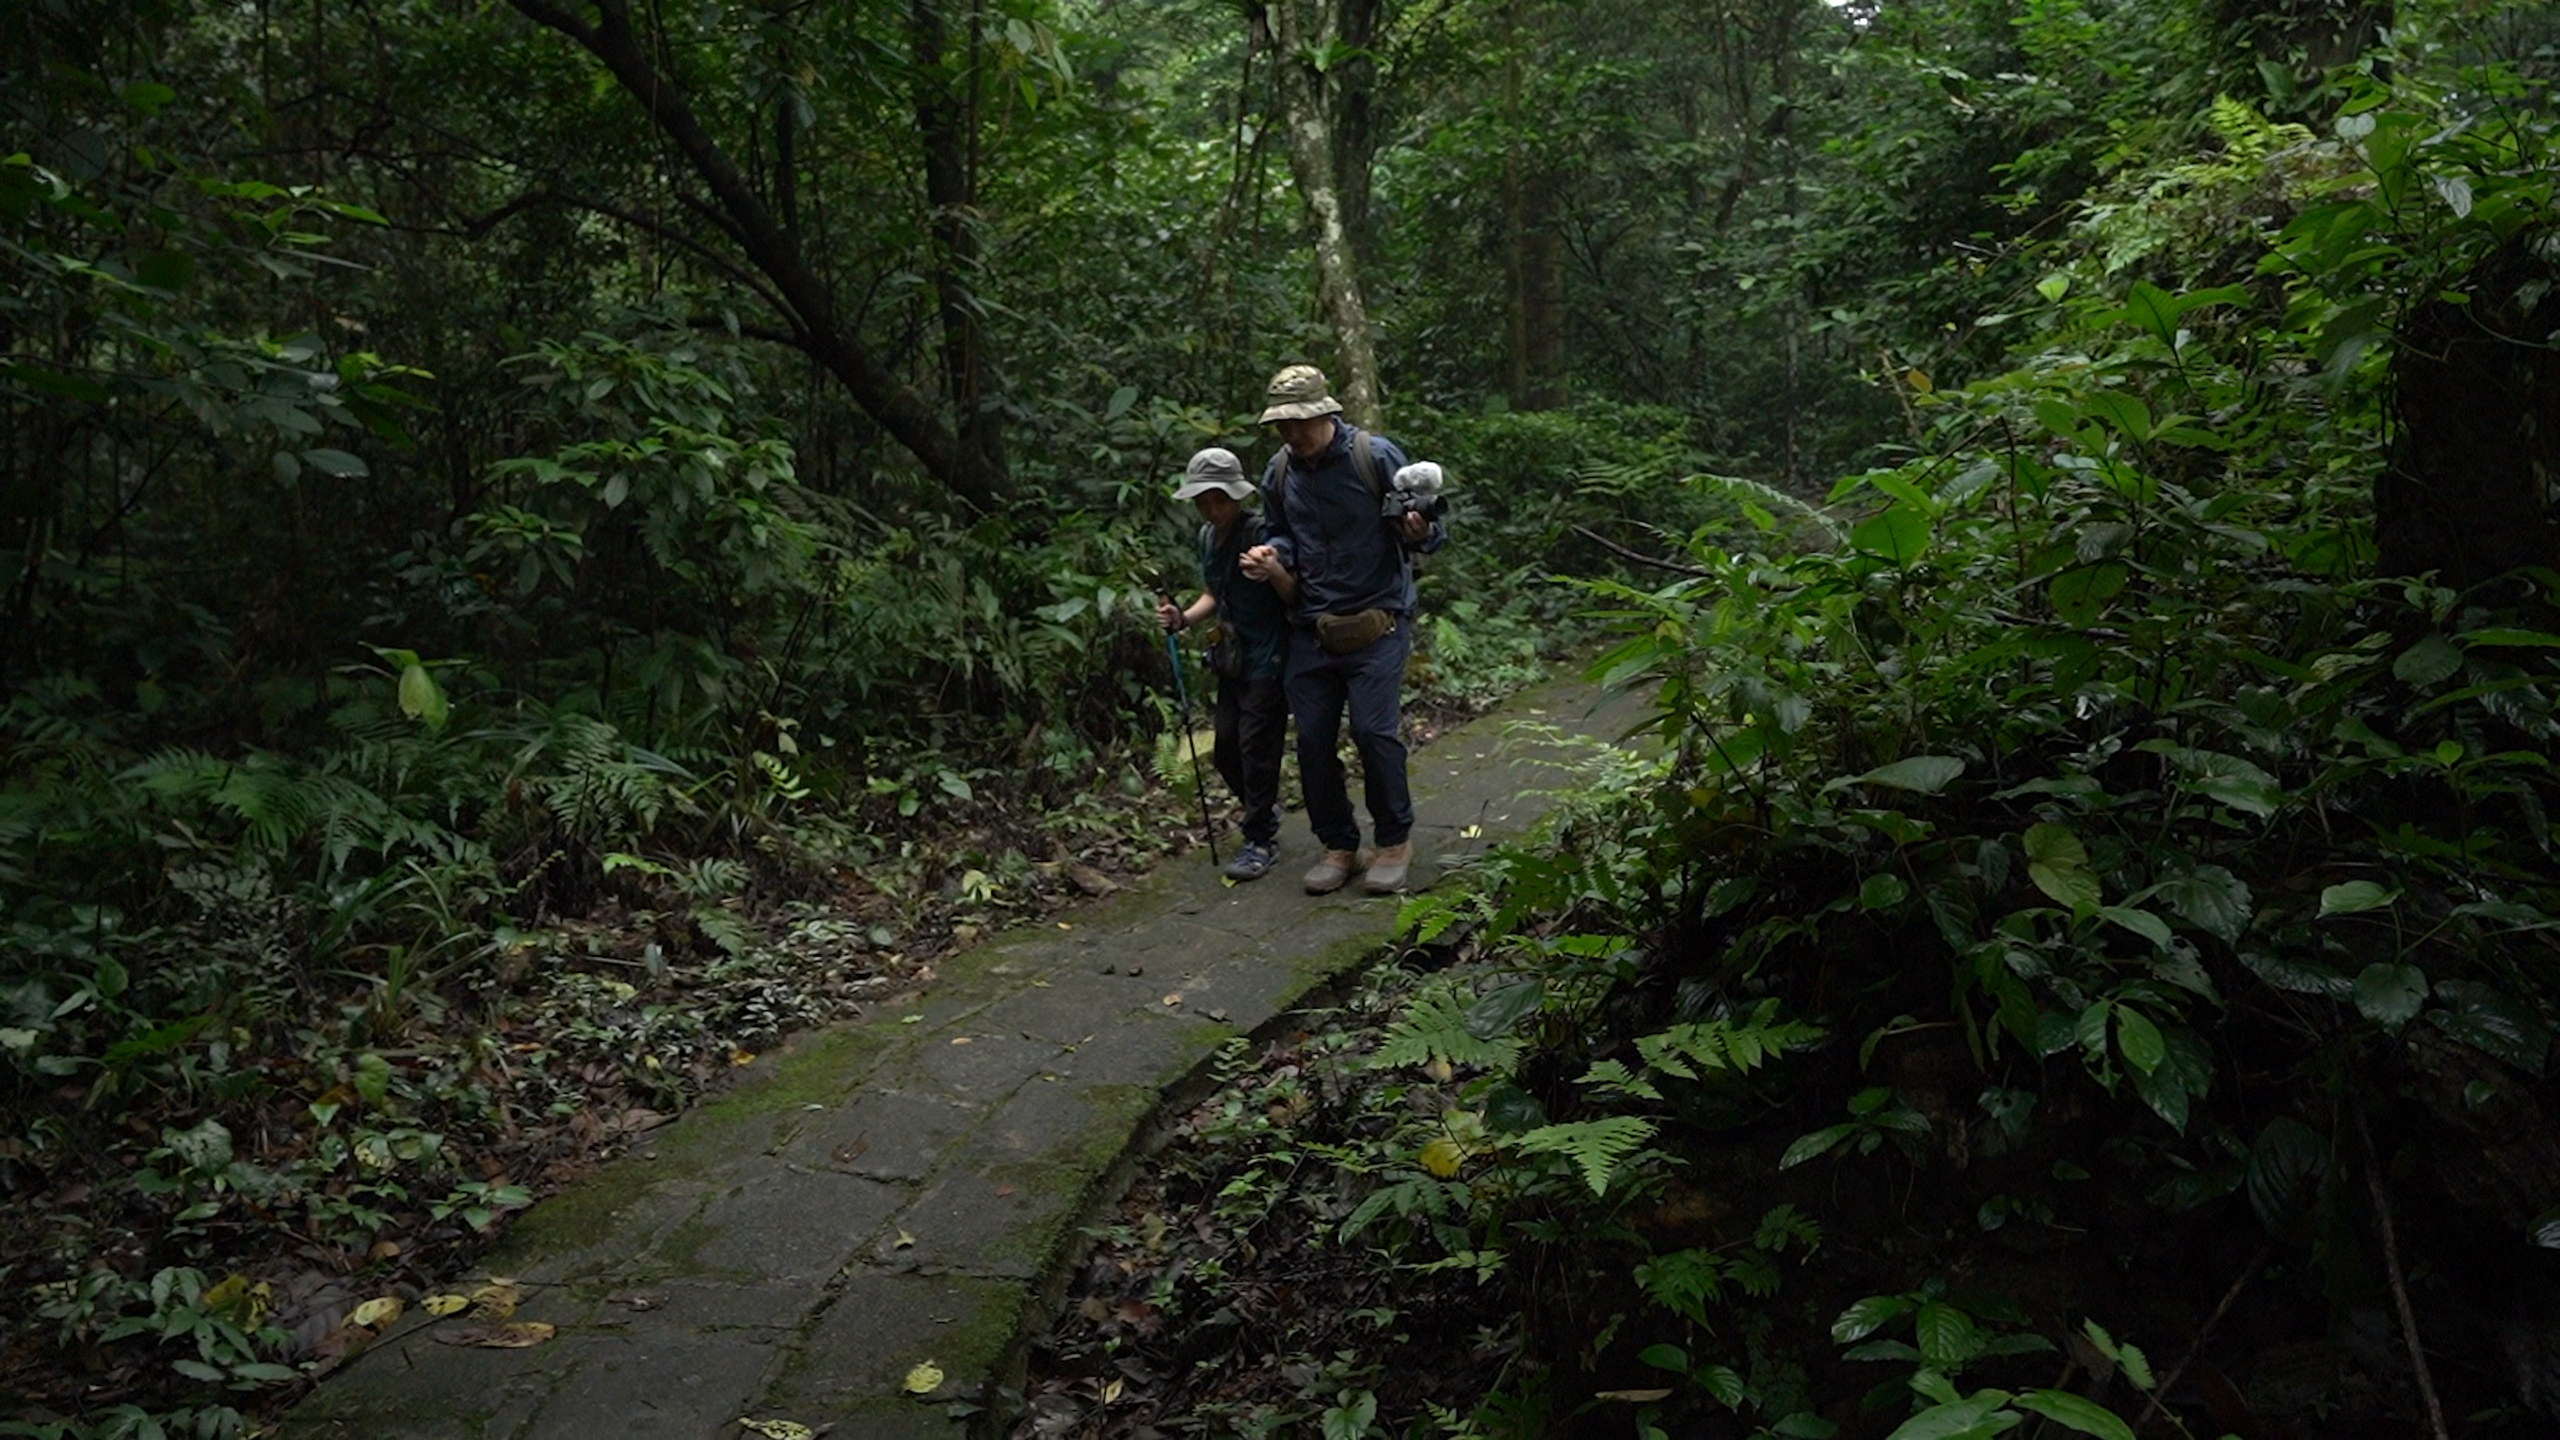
<point>1215,468</point>
<point>1297,393</point>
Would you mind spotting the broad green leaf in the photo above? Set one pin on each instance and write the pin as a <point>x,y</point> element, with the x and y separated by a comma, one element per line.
<point>2055,845</point>
<point>2389,995</point>
<point>2484,1018</point>
<point>335,462</point>
<point>2075,1412</point>
<point>2054,287</point>
<point>2139,1039</point>
<point>1898,533</point>
<point>421,699</point>
<point>2072,887</point>
<point>2288,1157</point>
<point>1979,1415</point>
<point>1808,1147</point>
<point>2081,592</point>
<point>1867,1317</point>
<point>1496,1011</point>
<point>2125,412</point>
<point>1882,891</point>
<point>2141,922</point>
<point>1665,1357</point>
<point>2498,635</point>
<point>1946,1335</point>
<point>2210,898</point>
<point>1927,774</point>
<point>2354,897</point>
<point>2299,977</point>
<point>1725,1384</point>
<point>2427,663</point>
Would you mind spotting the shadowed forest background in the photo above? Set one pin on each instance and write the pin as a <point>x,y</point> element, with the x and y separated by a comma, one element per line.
<point>544,545</point>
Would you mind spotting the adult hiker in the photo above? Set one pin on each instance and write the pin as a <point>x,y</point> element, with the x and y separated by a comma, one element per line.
<point>1252,714</point>
<point>1325,498</point>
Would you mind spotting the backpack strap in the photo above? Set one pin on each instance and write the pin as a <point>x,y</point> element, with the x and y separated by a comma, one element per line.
<point>1364,459</point>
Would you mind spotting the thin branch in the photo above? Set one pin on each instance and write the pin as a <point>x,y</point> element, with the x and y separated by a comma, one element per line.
<point>1637,557</point>
<point>2160,1392</point>
<point>2399,1282</point>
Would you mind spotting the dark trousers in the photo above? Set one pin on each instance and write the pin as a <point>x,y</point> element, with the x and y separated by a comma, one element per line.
<point>1369,684</point>
<point>1252,723</point>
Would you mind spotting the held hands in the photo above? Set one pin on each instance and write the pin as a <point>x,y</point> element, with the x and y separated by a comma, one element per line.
<point>1262,563</point>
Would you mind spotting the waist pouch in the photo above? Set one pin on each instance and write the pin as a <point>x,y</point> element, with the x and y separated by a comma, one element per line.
<point>1226,652</point>
<point>1342,634</point>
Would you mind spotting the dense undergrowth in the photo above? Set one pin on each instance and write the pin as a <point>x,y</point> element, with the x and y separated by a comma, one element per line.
<point>2084,964</point>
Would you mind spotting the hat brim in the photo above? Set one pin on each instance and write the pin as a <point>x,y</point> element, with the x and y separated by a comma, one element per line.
<point>1233,489</point>
<point>1301,410</point>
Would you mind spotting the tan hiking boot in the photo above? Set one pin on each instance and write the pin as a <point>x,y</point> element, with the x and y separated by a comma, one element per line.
<point>1387,867</point>
<point>1332,871</point>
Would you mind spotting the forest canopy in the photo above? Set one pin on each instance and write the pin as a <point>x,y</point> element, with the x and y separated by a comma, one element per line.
<point>535,524</point>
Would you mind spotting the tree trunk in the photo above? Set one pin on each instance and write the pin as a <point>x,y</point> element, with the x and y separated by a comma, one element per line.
<point>808,305</point>
<point>945,121</point>
<point>1311,154</point>
<point>1532,247</point>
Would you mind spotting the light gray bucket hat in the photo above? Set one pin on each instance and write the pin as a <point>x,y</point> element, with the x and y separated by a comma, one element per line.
<point>1215,468</point>
<point>1299,392</point>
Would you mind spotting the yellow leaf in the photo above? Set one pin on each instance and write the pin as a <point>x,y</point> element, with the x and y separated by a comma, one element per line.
<point>1443,1157</point>
<point>498,1299</point>
<point>445,1304</point>
<point>963,1039</point>
<point>1471,832</point>
<point>1440,1070</point>
<point>905,1241</point>
<point>1918,380</point>
<point>917,1019</point>
<point>924,1379</point>
<point>779,1429</point>
<point>742,1057</point>
<point>1111,1390</point>
<point>377,1312</point>
<point>1174,999</point>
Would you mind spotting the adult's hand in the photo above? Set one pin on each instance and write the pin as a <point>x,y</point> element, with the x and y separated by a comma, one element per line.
<point>1168,616</point>
<point>1413,525</point>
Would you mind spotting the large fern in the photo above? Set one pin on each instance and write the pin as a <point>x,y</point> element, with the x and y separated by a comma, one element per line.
<point>1434,1027</point>
<point>1596,1147</point>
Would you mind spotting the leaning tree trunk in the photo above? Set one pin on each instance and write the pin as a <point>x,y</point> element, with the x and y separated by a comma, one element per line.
<point>807,303</point>
<point>2469,493</point>
<point>1311,150</point>
<point>946,120</point>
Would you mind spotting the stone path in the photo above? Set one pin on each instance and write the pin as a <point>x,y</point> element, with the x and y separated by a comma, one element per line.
<point>908,1189</point>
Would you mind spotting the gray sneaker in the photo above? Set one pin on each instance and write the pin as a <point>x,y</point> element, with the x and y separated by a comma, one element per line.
<point>1254,861</point>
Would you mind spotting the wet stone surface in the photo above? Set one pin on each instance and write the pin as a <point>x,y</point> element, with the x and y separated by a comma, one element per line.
<point>885,1199</point>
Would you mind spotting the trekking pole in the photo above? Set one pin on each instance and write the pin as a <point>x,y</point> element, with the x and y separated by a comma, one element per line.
<point>1182,692</point>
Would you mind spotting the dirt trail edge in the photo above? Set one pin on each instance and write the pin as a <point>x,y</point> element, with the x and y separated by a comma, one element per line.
<point>906,1190</point>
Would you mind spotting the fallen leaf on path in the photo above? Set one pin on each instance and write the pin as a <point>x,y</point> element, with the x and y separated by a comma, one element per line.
<point>496,1300</point>
<point>742,1057</point>
<point>963,1039</point>
<point>911,1019</point>
<point>904,1241</point>
<point>778,1429</point>
<point>1003,1190</point>
<point>1090,880</point>
<point>377,1312</point>
<point>639,1118</point>
<point>1174,999</point>
<point>924,1379</point>
<point>850,1151</point>
<point>639,1301</point>
<point>1111,1390</point>
<point>513,1335</point>
<point>1471,832</point>
<point>1218,1015</point>
<point>445,1304</point>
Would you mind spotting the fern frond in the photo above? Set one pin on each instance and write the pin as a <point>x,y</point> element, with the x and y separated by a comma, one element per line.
<point>1763,494</point>
<point>1596,1147</point>
<point>1434,1027</point>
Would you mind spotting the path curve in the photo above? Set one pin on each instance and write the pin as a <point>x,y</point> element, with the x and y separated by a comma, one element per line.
<point>906,1189</point>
